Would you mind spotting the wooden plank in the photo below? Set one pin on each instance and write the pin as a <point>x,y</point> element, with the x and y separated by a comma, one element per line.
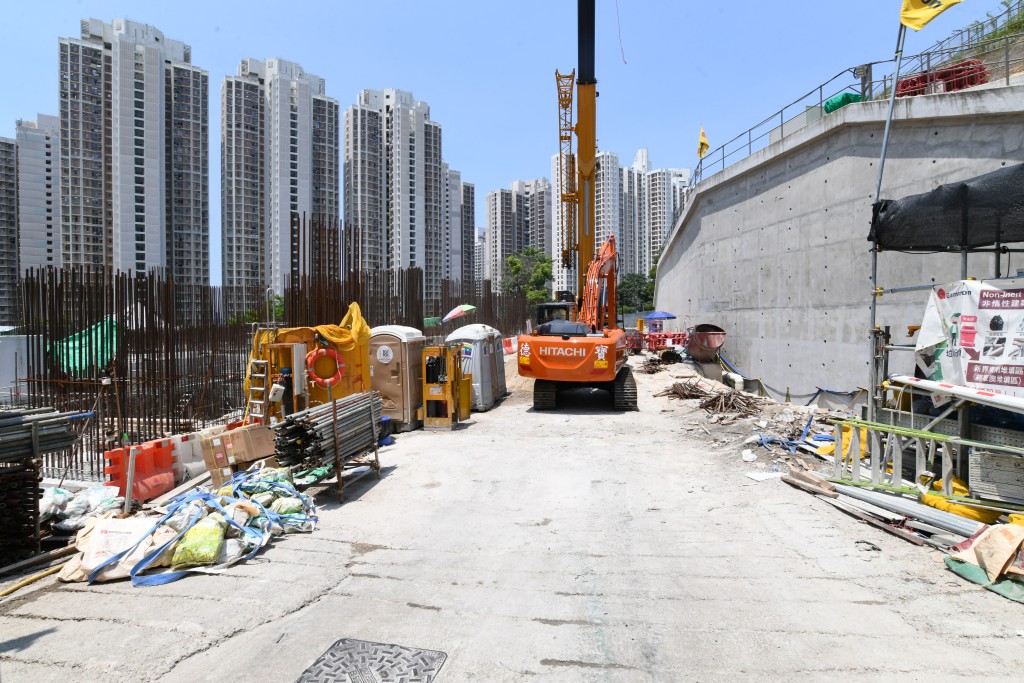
<point>814,480</point>
<point>203,478</point>
<point>797,483</point>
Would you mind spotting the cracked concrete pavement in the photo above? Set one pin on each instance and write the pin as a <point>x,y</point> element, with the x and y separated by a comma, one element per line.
<point>577,545</point>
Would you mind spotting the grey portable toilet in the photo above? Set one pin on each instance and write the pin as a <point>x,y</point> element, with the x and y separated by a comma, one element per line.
<point>478,359</point>
<point>396,371</point>
<point>499,361</point>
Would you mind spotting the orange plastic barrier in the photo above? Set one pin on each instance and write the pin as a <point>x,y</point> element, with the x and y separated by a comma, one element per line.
<point>154,473</point>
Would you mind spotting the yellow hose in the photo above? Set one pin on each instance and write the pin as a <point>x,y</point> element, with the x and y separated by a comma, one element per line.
<point>32,579</point>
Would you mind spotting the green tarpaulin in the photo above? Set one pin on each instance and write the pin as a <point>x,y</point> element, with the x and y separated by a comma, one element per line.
<point>431,322</point>
<point>93,347</point>
<point>840,101</point>
<point>1006,587</point>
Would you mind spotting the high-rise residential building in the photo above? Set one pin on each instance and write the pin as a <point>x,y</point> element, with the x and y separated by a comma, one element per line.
<point>453,251</point>
<point>661,198</point>
<point>279,156</point>
<point>39,232</point>
<point>395,189</point>
<point>134,160</point>
<point>632,216</point>
<point>607,191</point>
<point>536,213</point>
<point>8,231</point>
<point>479,255</point>
<point>469,238</point>
<point>505,235</point>
<point>635,204</point>
<point>560,274</point>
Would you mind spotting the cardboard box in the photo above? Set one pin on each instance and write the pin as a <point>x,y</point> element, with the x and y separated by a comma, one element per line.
<point>235,450</point>
<point>249,443</point>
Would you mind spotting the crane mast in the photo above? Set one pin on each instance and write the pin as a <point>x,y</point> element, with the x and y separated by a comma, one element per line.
<point>586,141</point>
<point>566,168</point>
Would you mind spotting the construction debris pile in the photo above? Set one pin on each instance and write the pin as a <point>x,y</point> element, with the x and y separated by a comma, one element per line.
<point>330,432</point>
<point>197,531</point>
<point>826,453</point>
<point>716,398</point>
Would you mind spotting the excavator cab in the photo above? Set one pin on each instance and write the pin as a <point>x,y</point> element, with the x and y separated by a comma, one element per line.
<point>556,311</point>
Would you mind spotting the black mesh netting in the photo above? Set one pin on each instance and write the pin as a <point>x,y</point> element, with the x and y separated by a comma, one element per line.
<point>970,214</point>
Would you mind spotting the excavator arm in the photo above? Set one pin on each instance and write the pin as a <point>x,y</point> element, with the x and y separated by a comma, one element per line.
<point>599,293</point>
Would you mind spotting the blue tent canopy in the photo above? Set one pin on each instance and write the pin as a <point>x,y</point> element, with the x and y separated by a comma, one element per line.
<point>659,315</point>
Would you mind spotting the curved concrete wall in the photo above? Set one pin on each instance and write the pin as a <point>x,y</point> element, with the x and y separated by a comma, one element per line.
<point>774,248</point>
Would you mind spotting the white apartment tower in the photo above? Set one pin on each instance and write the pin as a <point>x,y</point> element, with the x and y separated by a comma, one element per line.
<point>662,196</point>
<point>505,235</point>
<point>536,213</point>
<point>453,250</point>
<point>633,216</point>
<point>279,156</point>
<point>607,191</point>
<point>8,232</point>
<point>400,203</point>
<point>469,239</point>
<point>39,232</point>
<point>134,160</point>
<point>563,278</point>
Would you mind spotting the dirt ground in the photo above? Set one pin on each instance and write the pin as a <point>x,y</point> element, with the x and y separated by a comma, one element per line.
<point>574,545</point>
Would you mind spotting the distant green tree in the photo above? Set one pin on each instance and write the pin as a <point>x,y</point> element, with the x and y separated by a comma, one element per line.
<point>633,291</point>
<point>528,272</point>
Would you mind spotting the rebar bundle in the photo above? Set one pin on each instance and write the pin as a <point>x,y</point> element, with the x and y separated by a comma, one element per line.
<point>27,433</point>
<point>309,436</point>
<point>19,509</point>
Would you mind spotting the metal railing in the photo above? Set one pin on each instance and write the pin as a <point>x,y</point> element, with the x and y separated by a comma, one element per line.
<point>1001,51</point>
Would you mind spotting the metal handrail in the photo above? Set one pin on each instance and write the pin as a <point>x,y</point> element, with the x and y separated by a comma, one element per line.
<point>971,40</point>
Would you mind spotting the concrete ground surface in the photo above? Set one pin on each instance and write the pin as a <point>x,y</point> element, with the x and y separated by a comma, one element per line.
<point>577,545</point>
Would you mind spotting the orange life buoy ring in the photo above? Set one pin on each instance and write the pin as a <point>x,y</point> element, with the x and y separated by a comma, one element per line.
<point>313,356</point>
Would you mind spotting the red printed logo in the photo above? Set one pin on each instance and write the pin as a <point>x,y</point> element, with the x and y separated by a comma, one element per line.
<point>941,293</point>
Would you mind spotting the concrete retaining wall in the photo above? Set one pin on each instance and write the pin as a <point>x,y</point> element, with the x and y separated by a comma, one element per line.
<point>774,248</point>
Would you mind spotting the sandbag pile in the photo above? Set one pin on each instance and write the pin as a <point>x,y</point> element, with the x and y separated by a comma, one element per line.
<point>200,531</point>
<point>67,511</point>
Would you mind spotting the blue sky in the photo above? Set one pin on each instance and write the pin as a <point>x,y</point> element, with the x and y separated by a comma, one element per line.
<point>487,68</point>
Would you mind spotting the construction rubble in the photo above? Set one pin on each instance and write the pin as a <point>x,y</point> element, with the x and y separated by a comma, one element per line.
<point>984,543</point>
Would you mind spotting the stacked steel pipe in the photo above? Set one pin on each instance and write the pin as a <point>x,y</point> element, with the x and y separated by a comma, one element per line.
<point>309,436</point>
<point>24,436</point>
<point>27,433</point>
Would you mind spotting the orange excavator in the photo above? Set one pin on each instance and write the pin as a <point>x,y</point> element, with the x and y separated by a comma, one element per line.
<point>566,350</point>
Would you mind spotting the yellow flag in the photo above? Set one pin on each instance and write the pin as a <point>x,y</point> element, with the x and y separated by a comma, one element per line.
<point>702,144</point>
<point>917,13</point>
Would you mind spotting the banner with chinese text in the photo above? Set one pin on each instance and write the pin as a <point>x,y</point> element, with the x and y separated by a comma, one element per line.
<point>973,335</point>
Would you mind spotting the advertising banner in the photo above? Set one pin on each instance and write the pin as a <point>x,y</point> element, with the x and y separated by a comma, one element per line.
<point>972,335</point>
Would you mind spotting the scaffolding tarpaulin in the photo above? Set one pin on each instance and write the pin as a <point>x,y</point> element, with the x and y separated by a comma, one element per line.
<point>972,335</point>
<point>92,347</point>
<point>840,101</point>
<point>972,214</point>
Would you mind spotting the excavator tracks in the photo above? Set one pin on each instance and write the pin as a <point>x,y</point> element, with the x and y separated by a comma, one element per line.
<point>623,390</point>
<point>545,394</point>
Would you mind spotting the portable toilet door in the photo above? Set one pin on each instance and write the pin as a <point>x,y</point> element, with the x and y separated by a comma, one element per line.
<point>499,357</point>
<point>479,362</point>
<point>396,371</point>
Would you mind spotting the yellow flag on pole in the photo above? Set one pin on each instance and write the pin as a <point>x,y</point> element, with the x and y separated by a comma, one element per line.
<point>702,144</point>
<point>917,13</point>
